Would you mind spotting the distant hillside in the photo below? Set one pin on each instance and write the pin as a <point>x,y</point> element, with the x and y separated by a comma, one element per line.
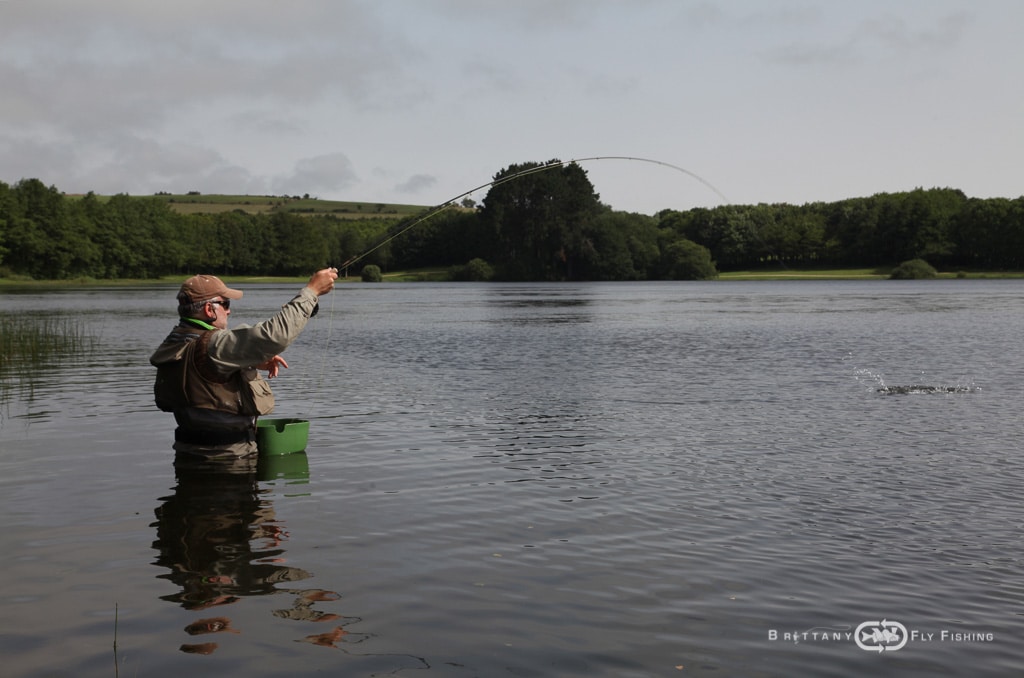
<point>196,203</point>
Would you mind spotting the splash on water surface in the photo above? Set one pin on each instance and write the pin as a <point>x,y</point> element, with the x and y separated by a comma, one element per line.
<point>878,385</point>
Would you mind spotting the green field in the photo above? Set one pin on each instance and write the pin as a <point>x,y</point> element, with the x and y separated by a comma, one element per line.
<point>196,203</point>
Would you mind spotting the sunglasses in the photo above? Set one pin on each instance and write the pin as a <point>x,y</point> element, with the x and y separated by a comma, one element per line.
<point>226,303</point>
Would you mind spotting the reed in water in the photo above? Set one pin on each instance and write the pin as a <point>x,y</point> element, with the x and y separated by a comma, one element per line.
<point>31,343</point>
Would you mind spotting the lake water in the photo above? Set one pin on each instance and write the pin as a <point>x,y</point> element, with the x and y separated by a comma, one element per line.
<point>649,479</point>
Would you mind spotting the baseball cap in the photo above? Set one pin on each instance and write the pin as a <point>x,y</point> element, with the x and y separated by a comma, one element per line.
<point>203,287</point>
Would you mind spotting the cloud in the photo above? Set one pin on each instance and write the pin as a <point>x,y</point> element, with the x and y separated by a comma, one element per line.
<point>897,33</point>
<point>261,96</point>
<point>323,173</point>
<point>266,122</point>
<point>24,157</point>
<point>124,163</point>
<point>416,183</point>
<point>79,66</point>
<point>121,96</point>
<point>531,15</point>
<point>878,37</point>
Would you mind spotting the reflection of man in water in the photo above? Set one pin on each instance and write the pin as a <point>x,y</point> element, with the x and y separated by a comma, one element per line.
<point>219,542</point>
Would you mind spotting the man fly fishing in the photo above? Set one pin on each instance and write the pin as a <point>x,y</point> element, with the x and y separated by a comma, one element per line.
<point>208,375</point>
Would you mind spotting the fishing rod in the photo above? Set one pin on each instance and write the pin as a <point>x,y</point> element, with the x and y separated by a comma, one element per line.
<point>411,222</point>
<point>407,224</point>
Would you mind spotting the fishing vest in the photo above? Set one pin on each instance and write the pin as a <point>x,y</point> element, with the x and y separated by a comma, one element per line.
<point>187,378</point>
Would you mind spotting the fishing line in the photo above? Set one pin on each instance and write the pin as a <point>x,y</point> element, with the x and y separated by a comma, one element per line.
<point>407,224</point>
<point>327,342</point>
<point>404,226</point>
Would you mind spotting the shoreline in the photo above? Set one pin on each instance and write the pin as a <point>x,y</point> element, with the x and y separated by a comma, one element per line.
<point>432,276</point>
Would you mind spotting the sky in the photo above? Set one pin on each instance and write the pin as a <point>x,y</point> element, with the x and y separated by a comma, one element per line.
<point>423,101</point>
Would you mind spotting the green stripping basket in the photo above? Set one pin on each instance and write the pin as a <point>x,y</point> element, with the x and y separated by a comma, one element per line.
<point>281,436</point>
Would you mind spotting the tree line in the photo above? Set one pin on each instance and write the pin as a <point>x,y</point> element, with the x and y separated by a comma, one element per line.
<point>538,221</point>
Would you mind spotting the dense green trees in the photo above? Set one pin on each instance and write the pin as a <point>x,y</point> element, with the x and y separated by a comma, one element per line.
<point>46,235</point>
<point>539,219</point>
<point>941,226</point>
<point>537,222</point>
<point>989,233</point>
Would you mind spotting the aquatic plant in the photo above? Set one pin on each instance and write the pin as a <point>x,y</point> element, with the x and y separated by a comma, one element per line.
<point>30,344</point>
<point>31,340</point>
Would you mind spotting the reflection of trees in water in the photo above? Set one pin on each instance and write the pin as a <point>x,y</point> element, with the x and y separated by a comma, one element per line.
<point>219,540</point>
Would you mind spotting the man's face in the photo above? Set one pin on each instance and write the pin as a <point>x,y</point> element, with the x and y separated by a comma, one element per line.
<point>218,310</point>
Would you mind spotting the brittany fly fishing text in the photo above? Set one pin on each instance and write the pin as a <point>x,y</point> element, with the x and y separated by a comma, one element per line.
<point>916,635</point>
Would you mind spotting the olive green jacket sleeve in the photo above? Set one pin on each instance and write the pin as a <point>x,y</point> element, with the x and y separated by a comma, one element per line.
<point>248,346</point>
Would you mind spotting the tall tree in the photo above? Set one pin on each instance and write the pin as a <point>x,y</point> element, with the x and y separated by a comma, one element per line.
<point>538,215</point>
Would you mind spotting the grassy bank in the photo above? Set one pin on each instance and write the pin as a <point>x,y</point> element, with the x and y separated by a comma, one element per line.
<point>858,274</point>
<point>441,275</point>
<point>788,274</point>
